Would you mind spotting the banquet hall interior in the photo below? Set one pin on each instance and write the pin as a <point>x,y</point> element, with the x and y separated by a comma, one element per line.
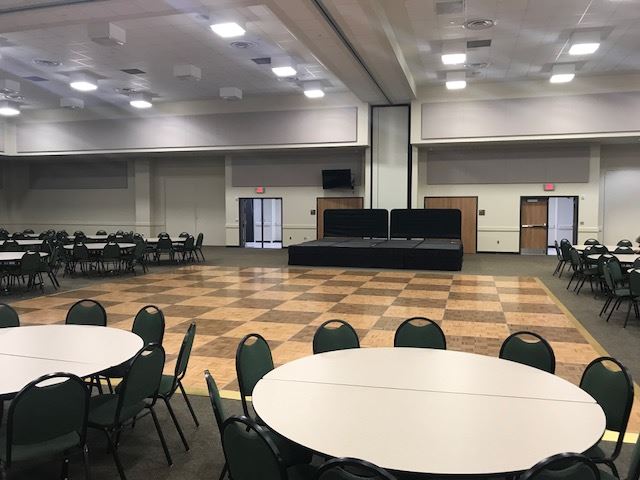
<point>319,239</point>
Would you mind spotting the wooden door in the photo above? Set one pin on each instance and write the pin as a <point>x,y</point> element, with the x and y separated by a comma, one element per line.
<point>533,225</point>
<point>468,207</point>
<point>331,203</point>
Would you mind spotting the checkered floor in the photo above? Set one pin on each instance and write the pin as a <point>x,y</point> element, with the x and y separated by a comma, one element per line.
<point>286,305</point>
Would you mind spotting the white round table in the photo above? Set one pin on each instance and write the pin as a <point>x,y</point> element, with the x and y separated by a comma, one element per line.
<point>27,353</point>
<point>173,239</point>
<point>15,256</point>
<point>100,246</point>
<point>428,411</point>
<point>25,243</point>
<point>622,257</point>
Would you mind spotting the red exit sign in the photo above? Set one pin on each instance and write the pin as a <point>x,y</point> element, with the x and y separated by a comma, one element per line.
<point>549,187</point>
<point>259,189</point>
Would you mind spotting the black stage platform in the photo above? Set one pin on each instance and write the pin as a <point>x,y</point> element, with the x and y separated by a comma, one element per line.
<point>420,239</point>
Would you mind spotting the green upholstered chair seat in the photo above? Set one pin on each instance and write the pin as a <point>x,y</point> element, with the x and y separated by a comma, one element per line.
<point>51,447</point>
<point>102,410</point>
<point>166,384</point>
<point>301,472</point>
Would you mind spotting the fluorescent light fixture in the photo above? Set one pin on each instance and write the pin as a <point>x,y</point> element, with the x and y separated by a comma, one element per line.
<point>584,43</point>
<point>562,73</point>
<point>313,90</point>
<point>228,29</point>
<point>454,53</point>
<point>83,82</point>
<point>9,109</point>
<point>456,80</point>
<point>283,66</point>
<point>140,100</point>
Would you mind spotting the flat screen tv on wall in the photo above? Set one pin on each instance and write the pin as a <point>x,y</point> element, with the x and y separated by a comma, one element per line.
<point>336,179</point>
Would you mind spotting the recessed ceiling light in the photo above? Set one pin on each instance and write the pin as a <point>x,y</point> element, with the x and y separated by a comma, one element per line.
<point>584,43</point>
<point>9,109</point>
<point>313,90</point>
<point>283,67</point>
<point>140,100</point>
<point>562,73</point>
<point>228,29</point>
<point>479,24</point>
<point>456,80</point>
<point>83,82</point>
<point>454,53</point>
<point>46,63</point>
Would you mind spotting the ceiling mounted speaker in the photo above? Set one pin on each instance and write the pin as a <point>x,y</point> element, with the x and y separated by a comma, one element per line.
<point>187,72</point>
<point>231,93</point>
<point>107,34</point>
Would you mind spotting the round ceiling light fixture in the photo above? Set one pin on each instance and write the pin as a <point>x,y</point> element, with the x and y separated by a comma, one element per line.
<point>46,63</point>
<point>243,45</point>
<point>479,24</point>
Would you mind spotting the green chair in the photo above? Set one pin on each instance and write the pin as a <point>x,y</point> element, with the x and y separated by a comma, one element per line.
<point>198,246</point>
<point>218,410</point>
<point>251,453</point>
<point>111,257</point>
<point>615,289</point>
<point>613,390</point>
<point>634,466</point>
<point>86,312</point>
<point>625,243</point>
<point>563,466</point>
<point>351,469</point>
<point>592,241</point>
<point>169,384</point>
<point>137,394</point>
<point>101,232</point>
<point>8,316</point>
<point>334,335</point>
<point>31,267</point>
<point>529,348</point>
<point>634,294</point>
<point>420,332</point>
<point>46,420</point>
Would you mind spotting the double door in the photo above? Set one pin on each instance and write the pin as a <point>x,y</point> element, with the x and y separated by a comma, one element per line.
<point>260,222</point>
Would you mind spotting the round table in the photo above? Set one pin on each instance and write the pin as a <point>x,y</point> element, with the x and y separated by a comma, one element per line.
<point>173,240</point>
<point>25,243</point>
<point>428,411</point>
<point>27,353</point>
<point>611,248</point>
<point>15,256</point>
<point>622,257</point>
<point>100,246</point>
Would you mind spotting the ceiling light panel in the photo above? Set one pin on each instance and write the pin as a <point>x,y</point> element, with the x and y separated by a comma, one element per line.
<point>283,66</point>
<point>140,100</point>
<point>9,109</point>
<point>228,29</point>
<point>584,43</point>
<point>562,73</point>
<point>456,80</point>
<point>313,89</point>
<point>454,53</point>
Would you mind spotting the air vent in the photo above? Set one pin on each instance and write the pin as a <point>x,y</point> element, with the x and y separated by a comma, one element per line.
<point>478,43</point>
<point>454,7</point>
<point>46,63</point>
<point>479,24</point>
<point>242,44</point>
<point>262,61</point>
<point>35,78</point>
<point>133,71</point>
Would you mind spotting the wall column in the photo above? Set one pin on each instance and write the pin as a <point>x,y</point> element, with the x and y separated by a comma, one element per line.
<point>142,186</point>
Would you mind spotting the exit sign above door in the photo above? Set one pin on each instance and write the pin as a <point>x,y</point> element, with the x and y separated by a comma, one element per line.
<point>549,187</point>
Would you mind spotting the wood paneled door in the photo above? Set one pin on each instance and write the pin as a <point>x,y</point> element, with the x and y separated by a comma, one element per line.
<point>534,212</point>
<point>468,207</point>
<point>332,203</point>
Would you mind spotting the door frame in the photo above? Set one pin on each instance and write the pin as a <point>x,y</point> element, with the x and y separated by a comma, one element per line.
<point>576,202</point>
<point>240,199</point>
<point>424,205</point>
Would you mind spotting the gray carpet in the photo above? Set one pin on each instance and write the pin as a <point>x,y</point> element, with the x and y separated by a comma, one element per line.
<point>140,449</point>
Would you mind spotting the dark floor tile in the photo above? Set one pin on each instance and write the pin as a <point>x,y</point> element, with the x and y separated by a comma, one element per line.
<point>82,293</point>
<point>521,291</point>
<point>530,307</point>
<point>255,303</point>
<point>381,292</point>
<point>186,311</point>
<point>479,345</point>
<point>428,288</point>
<point>315,276</point>
<point>288,288</point>
<point>552,334</point>
<point>358,309</point>
<point>207,327</point>
<point>160,298</point>
<point>420,302</point>
<point>321,297</point>
<point>382,278</point>
<point>474,316</point>
<point>482,297</point>
<point>221,347</point>
<point>388,323</point>
<point>473,283</point>
<point>283,316</point>
<point>148,289</point>
<point>342,283</point>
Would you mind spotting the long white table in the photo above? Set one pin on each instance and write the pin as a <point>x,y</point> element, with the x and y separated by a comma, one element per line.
<point>27,353</point>
<point>611,248</point>
<point>15,256</point>
<point>622,257</point>
<point>428,411</point>
<point>100,246</point>
<point>173,239</point>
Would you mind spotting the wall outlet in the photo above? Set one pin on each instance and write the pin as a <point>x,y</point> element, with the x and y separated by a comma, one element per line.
<point>498,242</point>
<point>313,212</point>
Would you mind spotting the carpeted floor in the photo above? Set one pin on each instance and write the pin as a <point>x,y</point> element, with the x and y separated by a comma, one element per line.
<point>230,296</point>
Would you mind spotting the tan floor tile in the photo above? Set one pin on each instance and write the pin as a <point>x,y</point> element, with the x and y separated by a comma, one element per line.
<point>208,301</point>
<point>378,338</point>
<point>332,290</point>
<point>384,285</point>
<point>430,281</point>
<point>368,299</point>
<point>43,302</point>
<point>251,286</point>
<point>111,286</point>
<point>353,278</point>
<point>130,308</point>
<point>275,295</point>
<point>475,278</point>
<point>581,353</point>
<point>303,306</point>
<point>173,283</point>
<point>281,275</point>
<point>231,279</point>
<point>44,317</point>
<point>474,305</point>
<point>359,322</point>
<point>516,283</point>
<point>473,329</point>
<point>538,319</point>
<point>290,351</point>
<point>223,371</point>
<point>408,312</point>
<point>397,274</point>
<point>188,291</point>
<point>311,282</point>
<point>269,330</point>
<point>236,314</point>
<point>473,289</point>
<point>120,296</point>
<point>505,297</point>
<point>430,294</point>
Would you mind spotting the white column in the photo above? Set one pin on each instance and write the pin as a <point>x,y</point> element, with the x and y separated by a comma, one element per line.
<point>142,186</point>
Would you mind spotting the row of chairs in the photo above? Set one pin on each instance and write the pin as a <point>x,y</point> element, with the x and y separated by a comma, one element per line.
<point>65,411</point>
<point>188,250</point>
<point>29,270</point>
<point>254,360</point>
<point>563,250</point>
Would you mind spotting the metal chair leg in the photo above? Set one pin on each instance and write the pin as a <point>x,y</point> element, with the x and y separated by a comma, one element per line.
<point>224,471</point>
<point>176,423</point>
<point>186,399</point>
<point>85,462</point>
<point>161,435</point>
<point>116,457</point>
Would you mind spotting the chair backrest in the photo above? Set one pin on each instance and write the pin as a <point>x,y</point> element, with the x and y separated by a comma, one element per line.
<point>602,260</point>
<point>351,469</point>
<point>184,235</point>
<point>253,361</point>
<point>634,282</point>
<point>189,242</point>
<point>149,325</point>
<point>216,402</point>
<point>164,243</point>
<point>30,262</point>
<point>420,332</point>
<point>101,232</point>
<point>529,348</point>
<point>28,231</point>
<point>594,249</point>
<point>564,466</point>
<point>616,271</point>
<point>8,316</point>
<point>120,233</point>
<point>624,251</point>
<point>574,259</point>
<point>185,352</point>
<point>250,452</point>
<point>592,241</point>
<point>111,251</point>
<point>80,251</point>
<point>10,246</point>
<point>78,233</point>
<point>200,240</point>
<point>557,248</point>
<point>141,381</point>
<point>613,390</point>
<point>86,312</point>
<point>636,263</point>
<point>163,234</point>
<point>625,243</point>
<point>42,411</point>
<point>111,237</point>
<point>335,335</point>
